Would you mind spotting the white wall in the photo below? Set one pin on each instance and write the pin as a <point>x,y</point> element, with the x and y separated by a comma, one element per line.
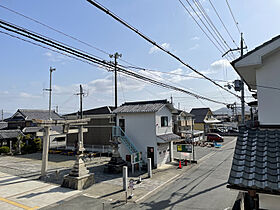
<point>268,99</point>
<point>271,202</point>
<point>163,130</point>
<point>140,129</point>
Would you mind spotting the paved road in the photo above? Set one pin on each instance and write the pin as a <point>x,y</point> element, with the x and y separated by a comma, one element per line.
<point>202,187</point>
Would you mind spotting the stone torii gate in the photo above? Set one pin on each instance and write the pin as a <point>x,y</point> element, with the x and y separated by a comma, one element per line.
<point>79,177</point>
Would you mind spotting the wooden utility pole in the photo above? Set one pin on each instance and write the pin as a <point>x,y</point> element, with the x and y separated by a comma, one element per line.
<point>116,56</point>
<point>50,92</point>
<point>242,86</point>
<point>241,79</point>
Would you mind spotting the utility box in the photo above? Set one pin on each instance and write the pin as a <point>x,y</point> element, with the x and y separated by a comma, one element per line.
<point>237,85</point>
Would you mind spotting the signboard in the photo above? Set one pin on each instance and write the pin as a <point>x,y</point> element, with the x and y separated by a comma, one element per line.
<point>136,157</point>
<point>184,148</point>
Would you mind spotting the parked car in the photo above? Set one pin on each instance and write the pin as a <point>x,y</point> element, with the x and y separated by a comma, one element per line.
<point>214,137</point>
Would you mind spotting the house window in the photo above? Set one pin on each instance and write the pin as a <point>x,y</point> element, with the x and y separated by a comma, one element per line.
<point>164,121</point>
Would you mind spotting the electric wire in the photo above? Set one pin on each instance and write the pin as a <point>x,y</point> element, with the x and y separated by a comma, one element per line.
<point>212,25</point>
<point>216,12</point>
<point>236,23</point>
<point>221,46</point>
<point>53,29</point>
<point>200,26</point>
<point>107,11</point>
<point>170,73</point>
<point>89,59</point>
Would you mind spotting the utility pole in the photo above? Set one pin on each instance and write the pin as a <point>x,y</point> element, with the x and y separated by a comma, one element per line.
<point>50,92</point>
<point>81,94</point>
<point>242,87</point>
<point>80,140</point>
<point>116,56</point>
<point>2,113</point>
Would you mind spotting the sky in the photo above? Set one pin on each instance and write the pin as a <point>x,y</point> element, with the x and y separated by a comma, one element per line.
<point>25,67</point>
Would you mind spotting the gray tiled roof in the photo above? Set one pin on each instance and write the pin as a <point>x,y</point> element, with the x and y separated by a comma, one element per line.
<point>95,111</point>
<point>31,114</point>
<point>10,134</point>
<point>3,125</point>
<point>169,137</point>
<point>199,114</point>
<point>141,106</point>
<point>31,129</point>
<point>256,161</point>
<point>57,128</point>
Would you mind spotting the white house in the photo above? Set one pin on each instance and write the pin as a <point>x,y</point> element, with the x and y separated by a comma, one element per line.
<point>260,70</point>
<point>147,128</point>
<point>256,163</point>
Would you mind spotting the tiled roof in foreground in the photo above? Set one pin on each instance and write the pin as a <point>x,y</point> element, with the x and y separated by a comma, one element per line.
<point>256,161</point>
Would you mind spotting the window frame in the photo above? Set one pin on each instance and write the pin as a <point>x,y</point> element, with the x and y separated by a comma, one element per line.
<point>164,121</point>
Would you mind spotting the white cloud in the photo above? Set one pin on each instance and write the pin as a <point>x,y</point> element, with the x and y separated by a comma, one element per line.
<point>195,38</point>
<point>27,95</point>
<point>220,64</point>
<point>55,57</point>
<point>194,47</point>
<point>155,49</point>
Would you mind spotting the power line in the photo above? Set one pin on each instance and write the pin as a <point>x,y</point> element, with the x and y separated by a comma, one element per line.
<point>60,32</point>
<point>107,11</point>
<point>236,23</point>
<point>170,73</point>
<point>223,23</point>
<point>53,29</point>
<point>222,47</point>
<point>89,59</point>
<point>200,26</point>
<point>210,23</point>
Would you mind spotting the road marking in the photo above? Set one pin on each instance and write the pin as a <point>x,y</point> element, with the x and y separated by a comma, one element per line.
<point>169,180</point>
<point>181,174</point>
<point>18,204</point>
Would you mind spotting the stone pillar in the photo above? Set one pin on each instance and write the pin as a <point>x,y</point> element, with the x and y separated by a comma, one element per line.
<point>45,151</point>
<point>150,173</point>
<point>124,178</point>
<point>79,177</point>
<point>171,154</point>
<point>11,146</point>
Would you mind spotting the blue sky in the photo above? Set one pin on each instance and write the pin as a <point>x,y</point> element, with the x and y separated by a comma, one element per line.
<point>25,68</point>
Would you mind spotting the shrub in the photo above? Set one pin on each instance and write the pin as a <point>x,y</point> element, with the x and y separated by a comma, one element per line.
<point>4,149</point>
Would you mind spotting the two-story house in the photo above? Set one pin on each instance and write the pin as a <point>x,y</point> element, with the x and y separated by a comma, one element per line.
<point>99,128</point>
<point>23,120</point>
<point>204,119</point>
<point>182,123</point>
<point>146,127</point>
<point>255,168</point>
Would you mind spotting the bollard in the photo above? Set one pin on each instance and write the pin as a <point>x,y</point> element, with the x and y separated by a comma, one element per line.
<point>150,168</point>
<point>125,178</point>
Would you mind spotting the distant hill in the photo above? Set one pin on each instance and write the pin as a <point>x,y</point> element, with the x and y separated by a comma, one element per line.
<point>225,110</point>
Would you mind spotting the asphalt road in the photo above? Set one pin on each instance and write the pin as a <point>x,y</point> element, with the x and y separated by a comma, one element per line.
<point>201,187</point>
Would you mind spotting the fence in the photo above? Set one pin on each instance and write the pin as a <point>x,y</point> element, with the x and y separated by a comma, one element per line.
<point>94,148</point>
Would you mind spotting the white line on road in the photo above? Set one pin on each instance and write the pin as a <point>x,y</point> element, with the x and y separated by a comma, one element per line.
<point>169,180</point>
